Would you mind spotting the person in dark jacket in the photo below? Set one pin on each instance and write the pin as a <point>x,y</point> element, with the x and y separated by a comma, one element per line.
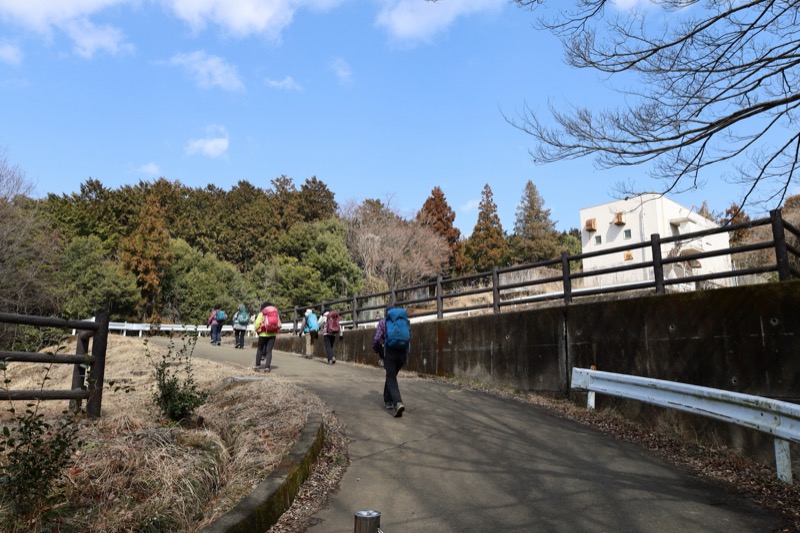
<point>393,360</point>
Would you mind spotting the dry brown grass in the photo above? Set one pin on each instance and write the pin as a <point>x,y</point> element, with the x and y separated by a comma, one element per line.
<point>138,472</point>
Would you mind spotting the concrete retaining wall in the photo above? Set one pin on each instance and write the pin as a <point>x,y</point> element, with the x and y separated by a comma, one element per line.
<point>743,339</point>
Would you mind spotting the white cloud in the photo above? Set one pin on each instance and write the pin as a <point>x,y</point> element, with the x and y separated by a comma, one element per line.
<point>416,20</point>
<point>89,38</point>
<point>244,17</point>
<point>288,83</point>
<point>209,71</point>
<point>10,54</point>
<point>215,144</point>
<point>342,70</point>
<point>71,17</point>
<point>150,169</point>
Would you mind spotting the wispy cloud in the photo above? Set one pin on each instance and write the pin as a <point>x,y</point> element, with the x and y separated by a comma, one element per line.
<point>417,21</point>
<point>288,83</point>
<point>245,17</point>
<point>209,71</point>
<point>150,169</point>
<point>342,70</point>
<point>214,144</point>
<point>89,38</point>
<point>10,54</point>
<point>71,17</point>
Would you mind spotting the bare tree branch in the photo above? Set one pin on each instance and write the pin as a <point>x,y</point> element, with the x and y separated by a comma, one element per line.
<point>718,89</point>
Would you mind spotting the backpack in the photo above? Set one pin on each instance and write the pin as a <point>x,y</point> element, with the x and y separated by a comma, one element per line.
<point>332,325</point>
<point>220,316</point>
<point>243,318</point>
<point>312,323</point>
<point>270,322</point>
<point>398,329</point>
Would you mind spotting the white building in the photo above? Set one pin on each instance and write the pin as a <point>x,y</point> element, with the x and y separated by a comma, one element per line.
<point>632,221</point>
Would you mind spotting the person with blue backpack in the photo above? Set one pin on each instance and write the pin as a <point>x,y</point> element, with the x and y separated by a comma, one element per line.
<point>310,328</point>
<point>240,323</point>
<point>392,342</point>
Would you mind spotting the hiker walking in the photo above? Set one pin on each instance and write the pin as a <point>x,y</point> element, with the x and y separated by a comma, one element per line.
<point>310,328</point>
<point>240,323</point>
<point>267,326</point>
<point>392,343</point>
<point>215,320</point>
<point>330,328</point>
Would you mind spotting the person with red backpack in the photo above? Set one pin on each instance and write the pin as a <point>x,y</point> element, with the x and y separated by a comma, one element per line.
<point>267,326</point>
<point>330,328</point>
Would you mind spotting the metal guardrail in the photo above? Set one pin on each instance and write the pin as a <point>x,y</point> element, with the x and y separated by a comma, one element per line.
<point>773,417</point>
<point>141,328</point>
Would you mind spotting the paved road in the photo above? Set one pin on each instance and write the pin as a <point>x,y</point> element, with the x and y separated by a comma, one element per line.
<point>462,460</point>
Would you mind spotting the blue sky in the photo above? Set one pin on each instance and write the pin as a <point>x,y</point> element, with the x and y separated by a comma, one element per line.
<point>378,99</point>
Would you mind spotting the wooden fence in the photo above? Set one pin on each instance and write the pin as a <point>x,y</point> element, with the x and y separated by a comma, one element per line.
<point>90,389</point>
<point>559,278</point>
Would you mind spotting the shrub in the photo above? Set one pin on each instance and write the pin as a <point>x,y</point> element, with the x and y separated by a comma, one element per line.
<point>35,454</point>
<point>177,394</point>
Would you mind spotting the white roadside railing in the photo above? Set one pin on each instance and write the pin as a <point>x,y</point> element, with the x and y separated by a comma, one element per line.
<point>774,417</point>
<point>139,329</point>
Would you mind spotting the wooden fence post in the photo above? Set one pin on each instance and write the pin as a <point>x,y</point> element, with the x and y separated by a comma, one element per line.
<point>495,290</point>
<point>779,238</point>
<point>355,312</point>
<point>658,266</point>
<point>79,370</point>
<point>98,368</point>
<point>566,279</point>
<point>439,299</point>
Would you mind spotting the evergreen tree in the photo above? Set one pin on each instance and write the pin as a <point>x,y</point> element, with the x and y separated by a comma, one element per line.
<point>487,246</point>
<point>535,237</point>
<point>90,282</point>
<point>437,215</point>
<point>285,202</point>
<point>146,252</point>
<point>316,201</point>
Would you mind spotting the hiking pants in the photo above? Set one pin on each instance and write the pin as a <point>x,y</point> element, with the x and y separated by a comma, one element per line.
<point>393,360</point>
<point>264,350</point>
<point>329,340</point>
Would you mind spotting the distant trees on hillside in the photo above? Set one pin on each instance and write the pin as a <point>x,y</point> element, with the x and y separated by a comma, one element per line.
<point>164,252</point>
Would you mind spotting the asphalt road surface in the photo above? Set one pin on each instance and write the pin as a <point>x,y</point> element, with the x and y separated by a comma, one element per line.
<point>461,460</point>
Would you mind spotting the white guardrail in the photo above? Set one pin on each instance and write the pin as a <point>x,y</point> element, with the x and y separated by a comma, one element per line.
<point>774,417</point>
<point>125,327</point>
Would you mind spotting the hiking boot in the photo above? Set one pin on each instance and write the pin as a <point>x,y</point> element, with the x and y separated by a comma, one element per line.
<point>398,409</point>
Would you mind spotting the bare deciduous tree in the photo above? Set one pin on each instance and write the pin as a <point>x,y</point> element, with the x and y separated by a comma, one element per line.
<point>391,249</point>
<point>27,247</point>
<point>719,88</point>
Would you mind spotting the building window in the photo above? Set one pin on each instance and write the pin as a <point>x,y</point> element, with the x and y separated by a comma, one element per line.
<point>598,239</point>
<point>627,234</point>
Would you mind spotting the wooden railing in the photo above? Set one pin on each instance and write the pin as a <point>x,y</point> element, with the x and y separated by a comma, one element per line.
<point>561,281</point>
<point>83,388</point>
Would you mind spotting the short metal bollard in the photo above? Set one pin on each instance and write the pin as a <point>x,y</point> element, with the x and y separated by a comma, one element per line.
<point>367,521</point>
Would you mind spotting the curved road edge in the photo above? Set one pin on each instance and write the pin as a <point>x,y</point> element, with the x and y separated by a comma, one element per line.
<point>262,508</point>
